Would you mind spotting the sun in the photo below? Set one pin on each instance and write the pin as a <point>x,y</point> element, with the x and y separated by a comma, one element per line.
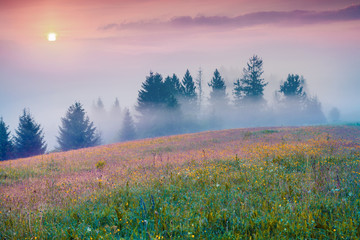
<point>51,37</point>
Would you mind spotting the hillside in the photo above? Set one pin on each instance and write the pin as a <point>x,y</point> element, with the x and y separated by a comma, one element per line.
<point>240,183</point>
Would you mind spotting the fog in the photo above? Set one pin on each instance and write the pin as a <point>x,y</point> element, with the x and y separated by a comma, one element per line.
<point>48,103</point>
<point>207,114</point>
<point>89,61</point>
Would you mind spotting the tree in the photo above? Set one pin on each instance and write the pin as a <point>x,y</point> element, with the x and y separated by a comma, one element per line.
<point>188,102</point>
<point>116,110</point>
<point>154,95</point>
<point>219,102</point>
<point>5,141</point>
<point>100,105</point>
<point>158,107</point>
<point>218,88</point>
<point>29,139</point>
<point>251,86</point>
<point>128,131</point>
<point>313,113</point>
<point>293,87</point>
<point>77,131</point>
<point>334,115</point>
<point>199,85</point>
<point>188,87</point>
<point>173,85</point>
<point>98,111</point>
<point>116,105</point>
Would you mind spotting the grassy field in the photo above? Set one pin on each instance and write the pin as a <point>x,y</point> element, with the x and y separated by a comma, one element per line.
<point>261,183</point>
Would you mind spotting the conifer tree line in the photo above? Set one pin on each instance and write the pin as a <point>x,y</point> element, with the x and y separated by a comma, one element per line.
<point>172,105</point>
<point>27,141</point>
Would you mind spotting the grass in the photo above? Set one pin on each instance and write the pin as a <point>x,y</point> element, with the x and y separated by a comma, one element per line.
<point>283,183</point>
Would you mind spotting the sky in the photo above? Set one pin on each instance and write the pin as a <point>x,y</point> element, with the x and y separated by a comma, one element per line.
<point>107,48</point>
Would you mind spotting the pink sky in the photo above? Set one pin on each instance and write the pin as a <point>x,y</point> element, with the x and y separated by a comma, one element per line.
<point>106,48</point>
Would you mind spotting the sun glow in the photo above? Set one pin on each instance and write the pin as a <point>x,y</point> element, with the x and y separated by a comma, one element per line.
<point>51,37</point>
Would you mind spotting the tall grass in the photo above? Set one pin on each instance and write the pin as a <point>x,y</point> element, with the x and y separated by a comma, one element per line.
<point>306,189</point>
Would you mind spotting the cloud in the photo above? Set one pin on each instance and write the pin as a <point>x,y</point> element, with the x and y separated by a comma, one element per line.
<point>297,17</point>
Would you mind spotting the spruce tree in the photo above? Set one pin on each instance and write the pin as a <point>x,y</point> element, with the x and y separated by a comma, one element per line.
<point>188,87</point>
<point>100,104</point>
<point>116,109</point>
<point>293,87</point>
<point>251,86</point>
<point>29,139</point>
<point>98,112</point>
<point>158,108</point>
<point>173,85</point>
<point>218,100</point>
<point>77,131</point>
<point>313,113</point>
<point>116,113</point>
<point>128,131</point>
<point>155,95</point>
<point>5,141</point>
<point>218,88</point>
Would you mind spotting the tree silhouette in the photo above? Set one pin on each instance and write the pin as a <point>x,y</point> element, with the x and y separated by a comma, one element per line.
<point>251,86</point>
<point>116,110</point>
<point>313,111</point>
<point>188,88</point>
<point>128,131</point>
<point>173,85</point>
<point>218,88</point>
<point>5,141</point>
<point>293,87</point>
<point>334,115</point>
<point>158,108</point>
<point>29,139</point>
<point>77,131</point>
<point>218,101</point>
<point>100,104</point>
<point>154,94</point>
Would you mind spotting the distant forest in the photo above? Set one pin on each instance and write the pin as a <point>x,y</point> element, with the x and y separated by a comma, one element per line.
<point>167,106</point>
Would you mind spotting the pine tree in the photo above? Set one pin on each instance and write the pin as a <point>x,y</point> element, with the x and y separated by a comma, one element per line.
<point>29,139</point>
<point>173,85</point>
<point>116,112</point>
<point>77,131</point>
<point>5,141</point>
<point>155,95</point>
<point>238,92</point>
<point>334,115</point>
<point>293,87</point>
<point>251,86</point>
<point>188,87</point>
<point>158,108</point>
<point>313,113</point>
<point>218,88</point>
<point>116,109</point>
<point>128,131</point>
<point>100,104</point>
<point>98,111</point>
<point>218,100</point>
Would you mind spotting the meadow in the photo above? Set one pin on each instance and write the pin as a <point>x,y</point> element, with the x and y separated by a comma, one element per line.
<point>259,183</point>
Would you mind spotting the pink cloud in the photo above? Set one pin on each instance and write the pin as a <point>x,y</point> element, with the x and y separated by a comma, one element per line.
<point>297,17</point>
